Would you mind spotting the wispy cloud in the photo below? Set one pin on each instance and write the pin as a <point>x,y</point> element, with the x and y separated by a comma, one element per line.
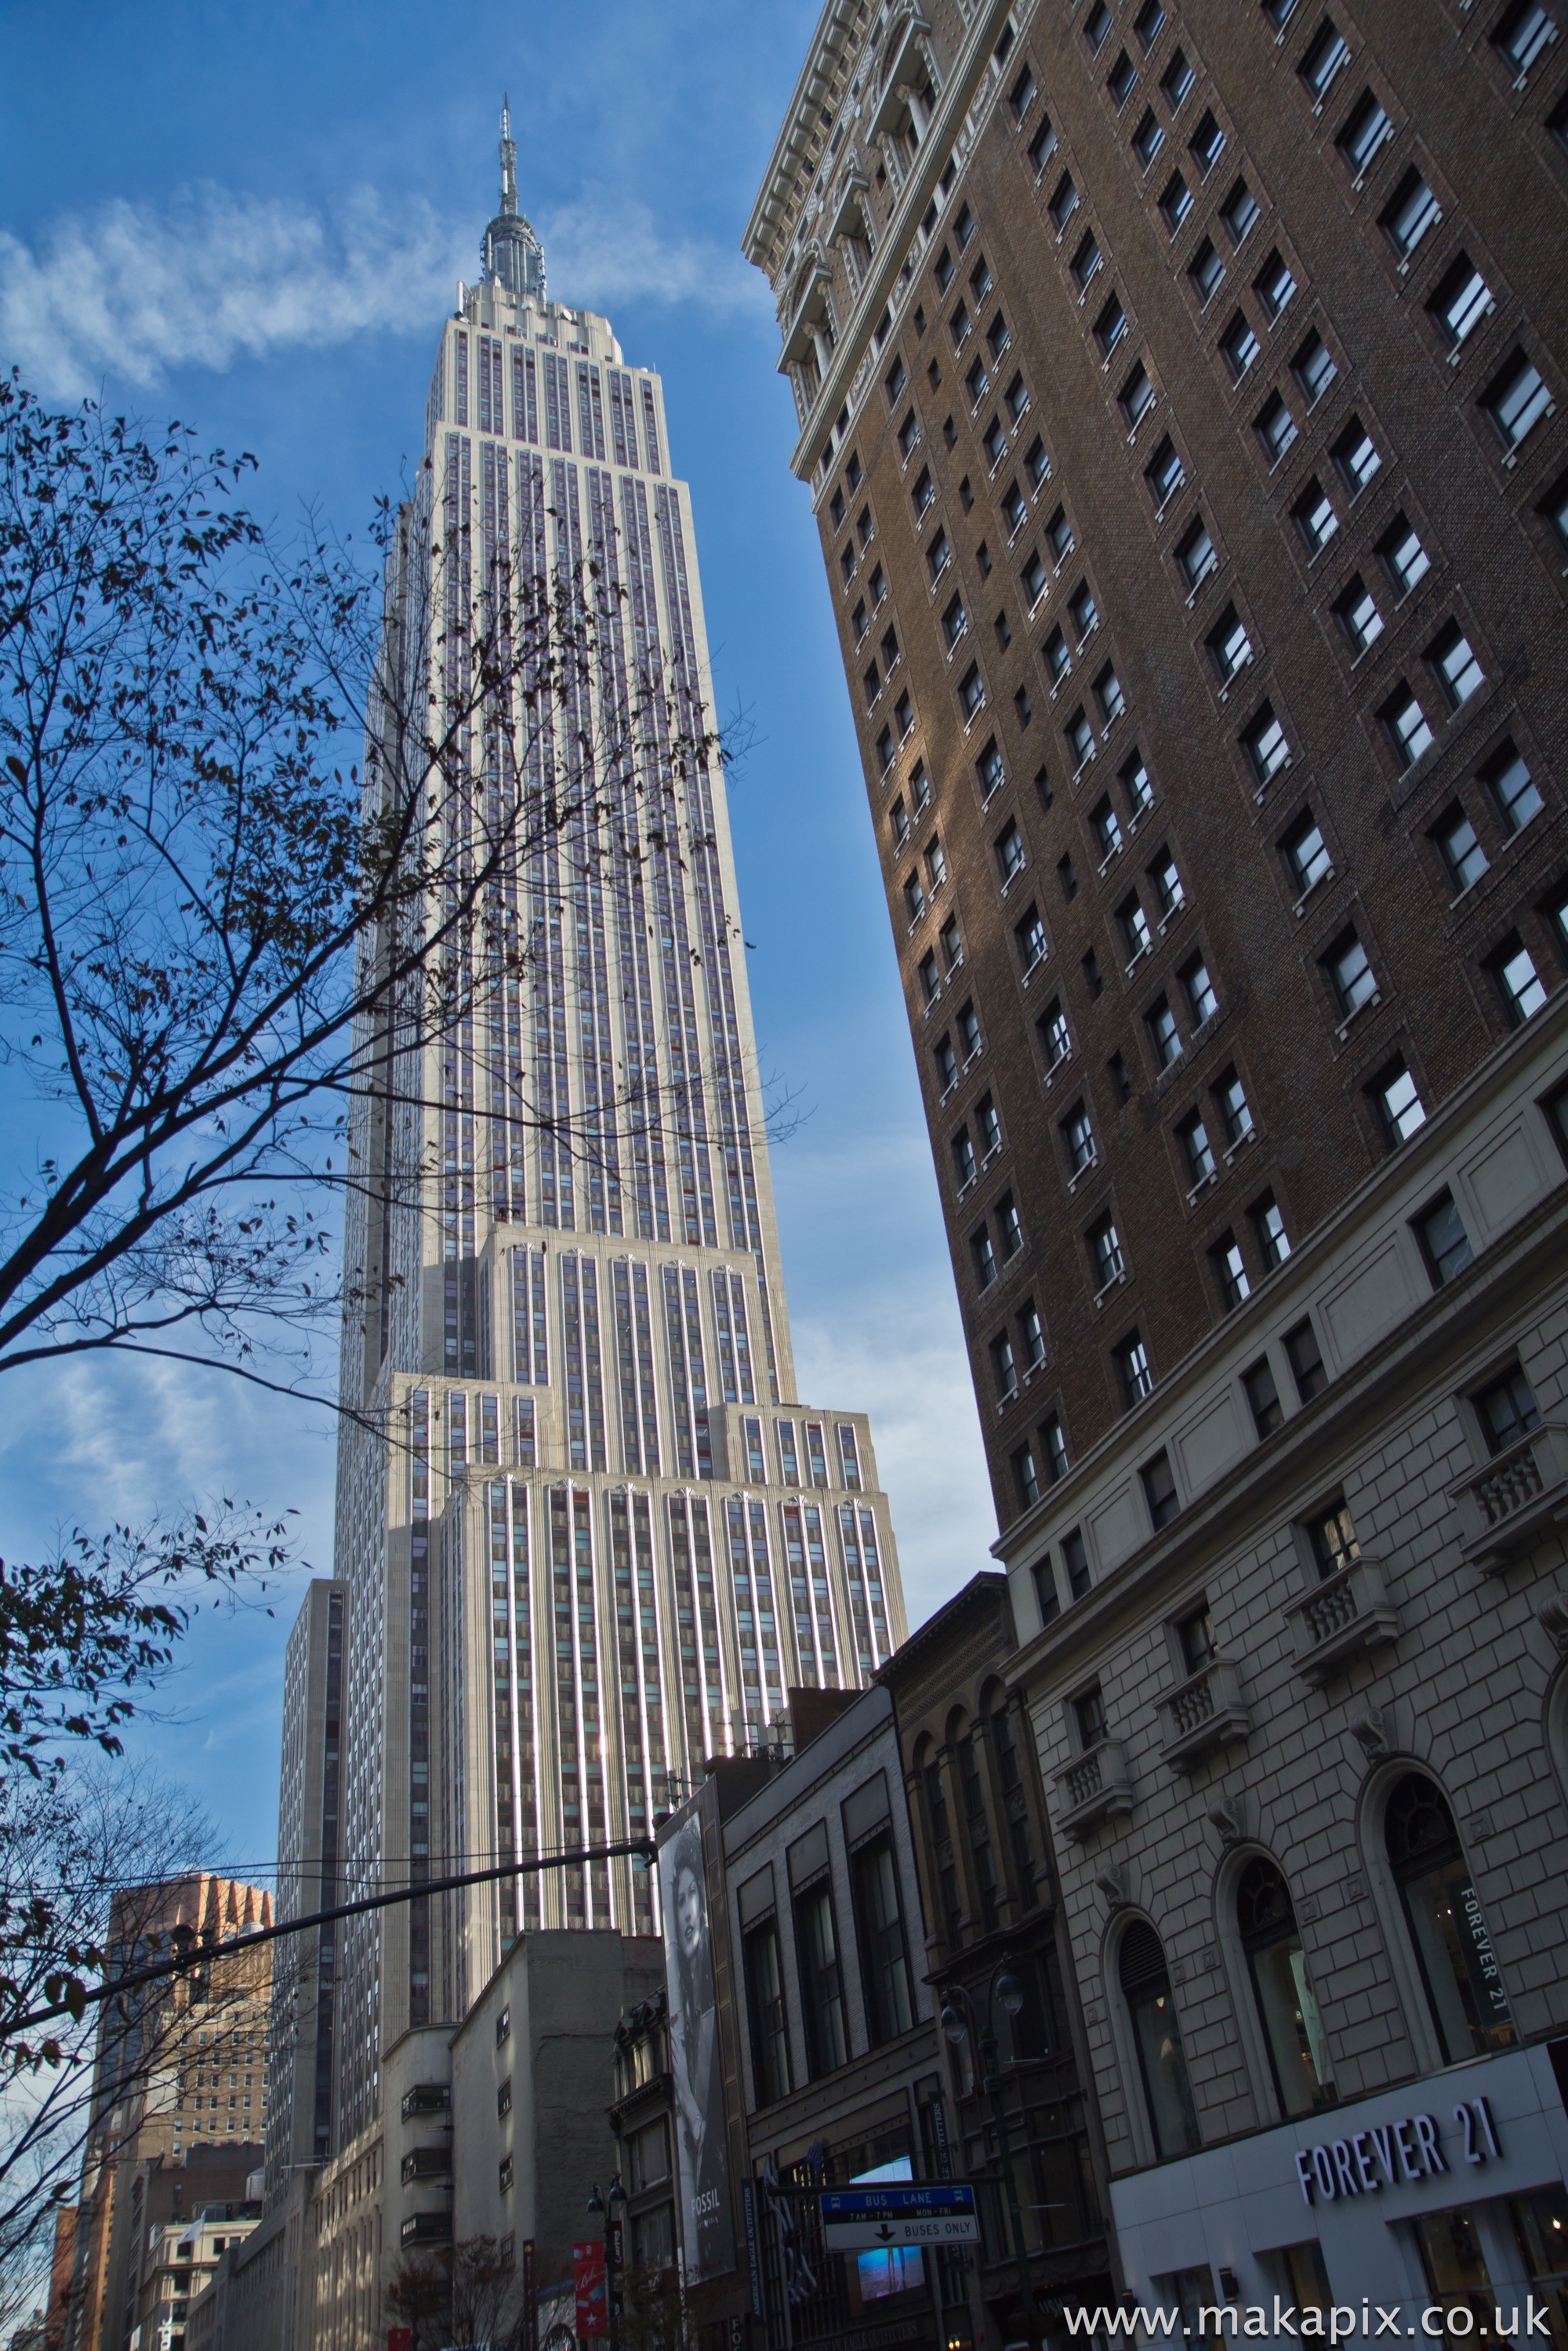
<point>132,292</point>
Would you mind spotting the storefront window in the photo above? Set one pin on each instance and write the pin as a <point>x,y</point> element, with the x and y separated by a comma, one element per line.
<point>1540,2224</point>
<point>1298,2051</point>
<point>901,2268</point>
<point>1146,1987</point>
<point>1458,1967</point>
<point>1306,2279</point>
<point>1456,2270</point>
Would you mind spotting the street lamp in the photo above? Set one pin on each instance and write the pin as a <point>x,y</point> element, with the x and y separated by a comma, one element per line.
<point>960,2020</point>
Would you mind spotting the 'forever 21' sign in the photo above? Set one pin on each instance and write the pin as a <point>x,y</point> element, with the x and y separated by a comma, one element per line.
<point>1393,2153</point>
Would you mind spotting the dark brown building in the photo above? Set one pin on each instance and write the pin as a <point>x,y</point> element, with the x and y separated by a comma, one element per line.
<point>998,1968</point>
<point>1181,388</point>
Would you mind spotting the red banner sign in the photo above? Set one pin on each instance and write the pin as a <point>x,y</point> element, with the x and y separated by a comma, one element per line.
<point>587,2281</point>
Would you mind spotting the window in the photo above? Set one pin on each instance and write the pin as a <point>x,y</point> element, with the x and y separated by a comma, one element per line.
<point>1239,345</point>
<point>1207,145</point>
<point>894,382</point>
<point>1445,1244</point>
<point>1164,1035</point>
<point>1458,672</point>
<point>1009,851</point>
<point>1063,204</point>
<point>852,475</point>
<point>821,1982</point>
<point>1464,859</point>
<point>990,1126</point>
<point>1146,1986</point>
<point>1274,287</point>
<point>1160,1490</point>
<point>1399,1103</point>
<point>1108,695</point>
<point>1206,270</point>
<point>1009,1224</point>
<point>1033,944</point>
<point>1412,210</point>
<point>1313,368</point>
<point>1356,612</point>
<point>1055,1036</point>
<point>1292,2028</point>
<point>923,491</point>
<point>964,1165</point>
<point>898,818</point>
<point>970,1030</point>
<point>865,529</point>
<point>1307,1367</point>
<point>1526,31</point>
<point>1022,97</point>
<point>1026,1479</point>
<point>890,648</point>
<point>1331,1538</point>
<point>1089,1718</point>
<point>1454,1953</point>
<point>1306,854</point>
<point>938,556</point>
<point>1166,885</point>
<point>884,1955</point>
<point>847,562</point>
<point>1326,57</point>
<point>1229,646</point>
<point>1263,1398</point>
<point>1148,24</point>
<point>1037,464</point>
<point>877,584</point>
<point>944,270</point>
<point>1275,427</point>
<point>1230,1270</point>
<point>1315,517</point>
<point>1196,557</point>
<point>955,622</point>
<point>1234,1109</point>
<point>1075,1560</point>
<point>976,383</point>
<point>1078,1134</point>
<point>1083,610</point>
<point>1177,80</point>
<point>1265,744</point>
<point>873,688</point>
<point>1080,739</point>
<point>1507,1410</point>
<point>1105,1254</point>
<point>1148,138</point>
<point>1517,400</point>
<point>1240,212</point>
<point>1406,724</point>
<point>1085,262</point>
<point>980,286</point>
<point>1462,300</point>
<point>1091,969</point>
<point>1042,146</point>
<point>1350,975</point>
<point>989,768</point>
<point>1136,396</point>
<point>1269,1226</point>
<point>994,443</point>
<point>958,325</point>
<point>1056,657</point>
<point>1356,455</point>
<point>972,692</point>
<point>1016,398</point>
<point>913,898</point>
<point>1405,558</point>
<point>1034,578</point>
<point>1107,829</point>
<point>952,945</point>
<point>1053,1446</point>
<point>1004,1369</point>
<point>919,786</point>
<point>1511,787</point>
<point>836,509</point>
<point>1365,129</point>
<point>936,864</point>
<point>1202,1001</point>
<point>1175,203</point>
<point>1015,512</point>
<point>765,2011</point>
<point>1097,24</point>
<point>1059,536</point>
<point>1119,79</point>
<point>1197,1150</point>
<point>1519,982</point>
<point>1165,473</point>
<point>930,979</point>
<point>946,1062</point>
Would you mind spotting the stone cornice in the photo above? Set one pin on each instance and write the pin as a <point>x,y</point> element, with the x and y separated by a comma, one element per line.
<point>787,161</point>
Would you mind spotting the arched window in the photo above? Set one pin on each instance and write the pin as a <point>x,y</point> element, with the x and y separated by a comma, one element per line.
<point>1292,2028</point>
<point>1146,1987</point>
<point>1458,1967</point>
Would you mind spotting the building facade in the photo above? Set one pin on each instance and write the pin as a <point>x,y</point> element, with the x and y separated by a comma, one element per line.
<point>304,1990</point>
<point>1180,400</point>
<point>567,1346</point>
<point>1000,1967</point>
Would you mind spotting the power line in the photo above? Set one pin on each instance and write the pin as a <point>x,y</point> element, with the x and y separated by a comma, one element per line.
<point>203,1954</point>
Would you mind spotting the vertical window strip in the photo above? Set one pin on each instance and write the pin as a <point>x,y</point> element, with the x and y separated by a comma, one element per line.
<point>767,1614</point>
<point>788,1462</point>
<point>696,1373</point>
<point>680,1381</point>
<point>816,1452</point>
<point>524,1756</point>
<point>801,1594</point>
<point>572,1355</point>
<point>742,1340</point>
<point>821,1593</point>
<point>489,1428</point>
<point>881,1642</point>
<point>484,426</point>
<point>419,1701</point>
<point>687,1630</point>
<point>849,1456</point>
<point>725,1337</point>
<point>650,428</point>
<point>461,341</point>
<point>626,1369</point>
<point>746,1619</point>
<point>647,1378</point>
<point>855,1579</point>
<point>756,1461</point>
<point>632,1715</point>
<point>456,1433</point>
<point>593,1376</point>
<point>525,1447</point>
<point>525,398</point>
<point>571,1894</point>
<point>716,1695</point>
<point>595,1815</point>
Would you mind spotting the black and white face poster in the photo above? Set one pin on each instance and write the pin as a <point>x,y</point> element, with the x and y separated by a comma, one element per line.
<point>708,2227</point>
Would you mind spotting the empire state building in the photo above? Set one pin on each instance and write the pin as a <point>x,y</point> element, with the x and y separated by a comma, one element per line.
<point>587,1535</point>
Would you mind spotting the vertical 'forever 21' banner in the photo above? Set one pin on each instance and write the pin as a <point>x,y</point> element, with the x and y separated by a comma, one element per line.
<point>706,2224</point>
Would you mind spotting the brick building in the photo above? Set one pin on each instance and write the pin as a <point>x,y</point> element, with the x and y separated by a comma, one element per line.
<point>1180,400</point>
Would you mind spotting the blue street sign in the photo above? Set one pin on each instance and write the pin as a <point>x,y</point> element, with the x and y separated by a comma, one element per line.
<point>858,2219</point>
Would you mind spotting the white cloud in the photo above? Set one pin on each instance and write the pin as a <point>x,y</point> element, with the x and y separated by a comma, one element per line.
<point>132,291</point>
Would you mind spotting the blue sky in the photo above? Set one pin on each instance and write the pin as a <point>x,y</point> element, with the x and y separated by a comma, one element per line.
<point>254,218</point>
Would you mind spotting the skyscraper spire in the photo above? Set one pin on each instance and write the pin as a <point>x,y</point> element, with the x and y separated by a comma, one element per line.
<point>510,252</point>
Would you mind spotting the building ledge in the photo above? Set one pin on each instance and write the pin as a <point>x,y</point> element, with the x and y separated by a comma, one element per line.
<point>1345,1616</point>
<point>1504,1507</point>
<point>1093,1787</point>
<point>1203,1713</point>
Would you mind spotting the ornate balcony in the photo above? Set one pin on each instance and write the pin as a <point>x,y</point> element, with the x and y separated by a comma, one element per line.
<point>1093,1787</point>
<point>1514,1499</point>
<point>1347,1615</point>
<point>1205,1712</point>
